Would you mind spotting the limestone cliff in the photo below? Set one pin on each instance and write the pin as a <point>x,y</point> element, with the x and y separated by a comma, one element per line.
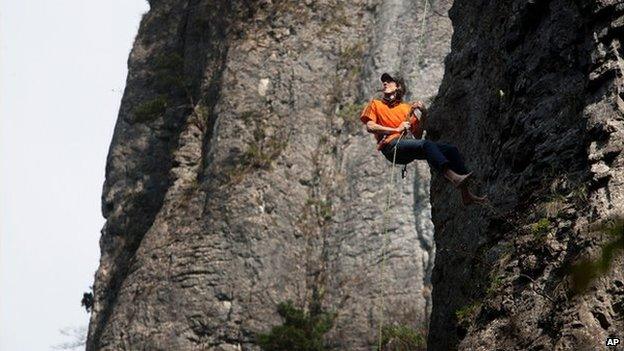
<point>239,175</point>
<point>532,93</point>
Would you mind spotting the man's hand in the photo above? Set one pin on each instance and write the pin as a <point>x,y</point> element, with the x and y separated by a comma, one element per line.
<point>419,105</point>
<point>422,117</point>
<point>403,126</point>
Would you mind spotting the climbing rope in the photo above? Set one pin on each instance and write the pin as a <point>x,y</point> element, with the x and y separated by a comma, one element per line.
<point>385,241</point>
<point>387,205</point>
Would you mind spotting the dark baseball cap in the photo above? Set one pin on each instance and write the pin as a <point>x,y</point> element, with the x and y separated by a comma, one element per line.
<point>385,77</point>
<point>400,81</point>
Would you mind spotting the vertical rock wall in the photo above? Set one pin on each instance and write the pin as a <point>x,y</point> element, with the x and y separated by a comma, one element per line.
<point>239,175</point>
<point>532,95</point>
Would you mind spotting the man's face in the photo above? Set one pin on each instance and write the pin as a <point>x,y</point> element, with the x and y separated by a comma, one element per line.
<point>389,87</point>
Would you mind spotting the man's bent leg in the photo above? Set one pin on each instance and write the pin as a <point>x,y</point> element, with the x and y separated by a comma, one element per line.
<point>411,149</point>
<point>404,153</point>
<point>454,156</point>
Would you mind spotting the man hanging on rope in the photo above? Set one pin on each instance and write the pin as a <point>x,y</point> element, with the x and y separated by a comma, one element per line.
<point>390,118</point>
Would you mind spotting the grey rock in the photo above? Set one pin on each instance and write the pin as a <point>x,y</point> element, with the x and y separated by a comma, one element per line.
<point>532,95</point>
<point>239,175</point>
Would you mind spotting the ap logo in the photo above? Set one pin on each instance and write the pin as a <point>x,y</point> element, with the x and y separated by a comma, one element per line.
<point>613,341</point>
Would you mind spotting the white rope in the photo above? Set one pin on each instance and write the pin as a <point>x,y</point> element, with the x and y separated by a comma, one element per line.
<point>387,205</point>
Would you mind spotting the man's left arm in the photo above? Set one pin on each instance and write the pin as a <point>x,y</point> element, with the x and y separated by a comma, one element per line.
<point>422,119</point>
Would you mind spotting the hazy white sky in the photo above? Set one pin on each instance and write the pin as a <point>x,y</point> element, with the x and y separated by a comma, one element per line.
<point>62,73</point>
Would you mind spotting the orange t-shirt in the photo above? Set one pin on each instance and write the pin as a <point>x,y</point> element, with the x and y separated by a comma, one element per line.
<point>384,115</point>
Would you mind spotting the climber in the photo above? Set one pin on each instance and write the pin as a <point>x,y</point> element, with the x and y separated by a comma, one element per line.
<point>390,118</point>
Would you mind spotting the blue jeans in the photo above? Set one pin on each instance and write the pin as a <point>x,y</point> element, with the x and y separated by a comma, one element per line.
<point>438,155</point>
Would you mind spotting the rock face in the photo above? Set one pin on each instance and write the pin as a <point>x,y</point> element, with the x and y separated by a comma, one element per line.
<point>532,95</point>
<point>239,175</point>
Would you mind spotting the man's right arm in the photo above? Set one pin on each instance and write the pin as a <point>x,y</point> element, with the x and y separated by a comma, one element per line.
<point>369,117</point>
<point>373,127</point>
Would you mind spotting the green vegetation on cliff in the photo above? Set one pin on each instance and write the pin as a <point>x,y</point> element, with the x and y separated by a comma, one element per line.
<point>300,331</point>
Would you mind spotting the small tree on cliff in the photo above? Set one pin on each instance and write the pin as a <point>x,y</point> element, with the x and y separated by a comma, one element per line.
<point>300,330</point>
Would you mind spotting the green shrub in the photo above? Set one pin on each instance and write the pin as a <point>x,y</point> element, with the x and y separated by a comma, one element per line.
<point>350,114</point>
<point>495,284</point>
<point>200,118</point>
<point>300,331</point>
<point>402,338</point>
<point>262,150</point>
<point>540,229</point>
<point>87,300</point>
<point>249,116</point>
<point>322,208</point>
<point>351,58</point>
<point>150,110</point>
<point>337,20</point>
<point>467,314</point>
<point>169,72</point>
<point>554,206</point>
<point>584,272</point>
<point>351,111</point>
<point>325,210</point>
<point>579,194</point>
<point>260,154</point>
